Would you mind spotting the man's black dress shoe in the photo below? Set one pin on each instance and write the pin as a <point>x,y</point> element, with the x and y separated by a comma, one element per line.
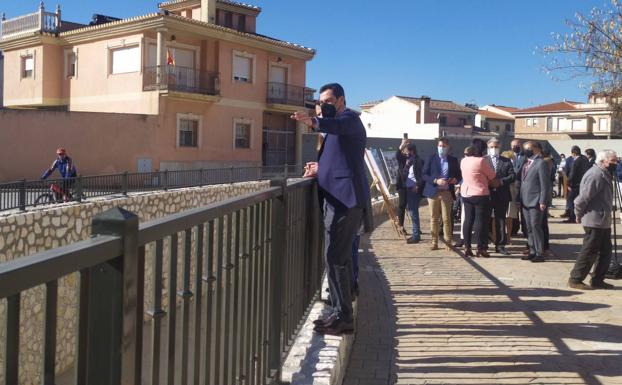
<point>412,240</point>
<point>460,243</point>
<point>326,320</point>
<point>537,259</point>
<point>335,328</point>
<point>528,257</point>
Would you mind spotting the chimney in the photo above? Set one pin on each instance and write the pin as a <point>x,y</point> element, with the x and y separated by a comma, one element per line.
<point>208,11</point>
<point>425,106</point>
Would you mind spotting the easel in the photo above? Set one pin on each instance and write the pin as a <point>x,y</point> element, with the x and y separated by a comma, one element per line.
<point>387,200</point>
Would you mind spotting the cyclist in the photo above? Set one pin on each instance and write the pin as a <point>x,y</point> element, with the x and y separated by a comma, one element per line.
<point>67,170</point>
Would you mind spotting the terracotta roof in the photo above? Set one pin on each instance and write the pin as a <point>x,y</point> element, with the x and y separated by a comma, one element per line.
<point>553,107</point>
<point>370,104</point>
<point>443,105</point>
<point>235,3</point>
<point>254,36</point>
<point>495,116</point>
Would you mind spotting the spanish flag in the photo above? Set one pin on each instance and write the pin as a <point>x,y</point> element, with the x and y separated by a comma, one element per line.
<point>170,60</point>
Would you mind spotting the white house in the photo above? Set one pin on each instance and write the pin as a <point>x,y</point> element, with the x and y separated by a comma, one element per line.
<point>420,118</point>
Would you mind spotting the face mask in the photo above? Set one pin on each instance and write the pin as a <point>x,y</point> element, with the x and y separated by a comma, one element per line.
<point>493,151</point>
<point>516,149</point>
<point>329,110</point>
<point>528,153</point>
<point>612,167</point>
<point>443,151</point>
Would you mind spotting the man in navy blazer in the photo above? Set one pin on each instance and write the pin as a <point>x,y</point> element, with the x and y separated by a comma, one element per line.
<point>344,191</point>
<point>441,173</point>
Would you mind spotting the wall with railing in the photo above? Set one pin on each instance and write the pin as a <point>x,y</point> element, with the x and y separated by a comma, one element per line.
<point>55,226</point>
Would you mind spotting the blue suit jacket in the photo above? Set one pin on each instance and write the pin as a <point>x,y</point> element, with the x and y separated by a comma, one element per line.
<point>341,175</point>
<point>432,170</point>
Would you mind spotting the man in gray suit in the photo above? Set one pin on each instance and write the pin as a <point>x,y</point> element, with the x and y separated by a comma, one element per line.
<point>593,210</point>
<point>534,197</point>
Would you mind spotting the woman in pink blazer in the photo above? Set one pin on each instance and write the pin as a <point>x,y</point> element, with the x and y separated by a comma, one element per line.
<point>477,176</point>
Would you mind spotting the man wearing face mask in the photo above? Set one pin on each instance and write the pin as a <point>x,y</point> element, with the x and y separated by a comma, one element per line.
<point>500,196</point>
<point>593,209</point>
<point>344,191</point>
<point>534,197</point>
<point>441,172</point>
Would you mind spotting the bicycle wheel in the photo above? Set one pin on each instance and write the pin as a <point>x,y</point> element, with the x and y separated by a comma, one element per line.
<point>44,199</point>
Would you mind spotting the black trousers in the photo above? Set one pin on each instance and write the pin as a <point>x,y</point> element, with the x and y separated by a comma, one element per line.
<point>596,248</point>
<point>340,225</point>
<point>477,214</point>
<point>499,209</point>
<point>534,218</point>
<point>572,194</point>
<point>401,209</point>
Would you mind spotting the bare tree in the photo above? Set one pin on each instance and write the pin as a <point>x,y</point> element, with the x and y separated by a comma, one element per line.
<point>593,49</point>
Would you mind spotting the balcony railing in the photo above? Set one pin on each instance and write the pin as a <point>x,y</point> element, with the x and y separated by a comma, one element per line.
<point>38,21</point>
<point>181,79</point>
<point>282,93</point>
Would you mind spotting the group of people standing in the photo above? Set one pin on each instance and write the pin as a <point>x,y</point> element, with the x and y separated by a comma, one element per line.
<point>488,184</point>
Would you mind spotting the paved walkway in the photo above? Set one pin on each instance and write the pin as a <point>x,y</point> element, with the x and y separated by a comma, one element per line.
<point>436,317</point>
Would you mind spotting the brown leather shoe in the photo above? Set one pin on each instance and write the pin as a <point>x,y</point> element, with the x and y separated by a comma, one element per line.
<point>482,253</point>
<point>336,328</point>
<point>434,246</point>
<point>579,285</point>
<point>468,253</point>
<point>325,320</point>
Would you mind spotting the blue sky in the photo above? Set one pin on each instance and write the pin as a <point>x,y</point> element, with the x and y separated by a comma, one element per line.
<point>468,51</point>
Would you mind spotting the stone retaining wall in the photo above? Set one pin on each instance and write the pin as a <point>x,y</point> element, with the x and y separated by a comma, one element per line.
<point>23,234</point>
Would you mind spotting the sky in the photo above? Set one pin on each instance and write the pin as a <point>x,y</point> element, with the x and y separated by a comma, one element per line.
<point>468,51</point>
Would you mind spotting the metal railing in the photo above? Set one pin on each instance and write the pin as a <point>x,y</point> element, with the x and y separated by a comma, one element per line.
<point>282,93</point>
<point>251,267</point>
<point>181,79</point>
<point>23,194</point>
<point>38,21</point>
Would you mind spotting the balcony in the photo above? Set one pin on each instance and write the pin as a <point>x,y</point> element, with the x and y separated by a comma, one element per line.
<point>38,21</point>
<point>287,94</point>
<point>181,79</point>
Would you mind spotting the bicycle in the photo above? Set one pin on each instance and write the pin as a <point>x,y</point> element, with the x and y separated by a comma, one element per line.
<point>55,194</point>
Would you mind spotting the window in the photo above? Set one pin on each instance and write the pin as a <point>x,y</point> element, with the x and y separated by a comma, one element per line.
<point>241,23</point>
<point>188,131</point>
<point>125,60</point>
<point>228,19</point>
<point>497,128</point>
<point>442,120</point>
<point>243,67</point>
<point>549,124</point>
<point>508,127</point>
<point>242,134</point>
<point>486,126</point>
<point>71,61</point>
<point>462,121</point>
<point>529,122</point>
<point>575,125</point>
<point>602,124</point>
<point>535,121</point>
<point>28,66</point>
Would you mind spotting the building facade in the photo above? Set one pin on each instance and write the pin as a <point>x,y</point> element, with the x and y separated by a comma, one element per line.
<point>419,118</point>
<point>568,120</point>
<point>496,119</point>
<point>222,92</point>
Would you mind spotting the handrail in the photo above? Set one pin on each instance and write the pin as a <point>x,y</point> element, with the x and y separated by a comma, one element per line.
<point>24,273</point>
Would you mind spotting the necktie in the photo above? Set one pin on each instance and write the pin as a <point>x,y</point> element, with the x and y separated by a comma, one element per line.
<point>494,163</point>
<point>526,169</point>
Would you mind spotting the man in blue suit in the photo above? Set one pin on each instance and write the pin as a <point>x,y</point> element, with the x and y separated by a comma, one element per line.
<point>344,190</point>
<point>441,173</point>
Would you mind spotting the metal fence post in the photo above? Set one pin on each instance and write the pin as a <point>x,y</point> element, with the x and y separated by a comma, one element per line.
<point>124,183</point>
<point>201,176</point>
<point>79,188</point>
<point>231,174</point>
<point>277,247</point>
<point>22,195</point>
<point>165,177</point>
<point>115,311</point>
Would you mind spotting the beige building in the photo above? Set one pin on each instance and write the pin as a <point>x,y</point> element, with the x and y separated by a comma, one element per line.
<point>568,120</point>
<point>221,92</point>
<point>496,119</point>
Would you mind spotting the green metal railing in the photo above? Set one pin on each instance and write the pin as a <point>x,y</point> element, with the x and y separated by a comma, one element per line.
<point>251,267</point>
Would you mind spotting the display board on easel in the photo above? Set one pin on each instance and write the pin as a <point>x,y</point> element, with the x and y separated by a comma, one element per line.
<point>379,183</point>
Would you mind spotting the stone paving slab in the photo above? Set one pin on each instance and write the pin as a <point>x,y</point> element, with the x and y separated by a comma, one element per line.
<point>436,317</point>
